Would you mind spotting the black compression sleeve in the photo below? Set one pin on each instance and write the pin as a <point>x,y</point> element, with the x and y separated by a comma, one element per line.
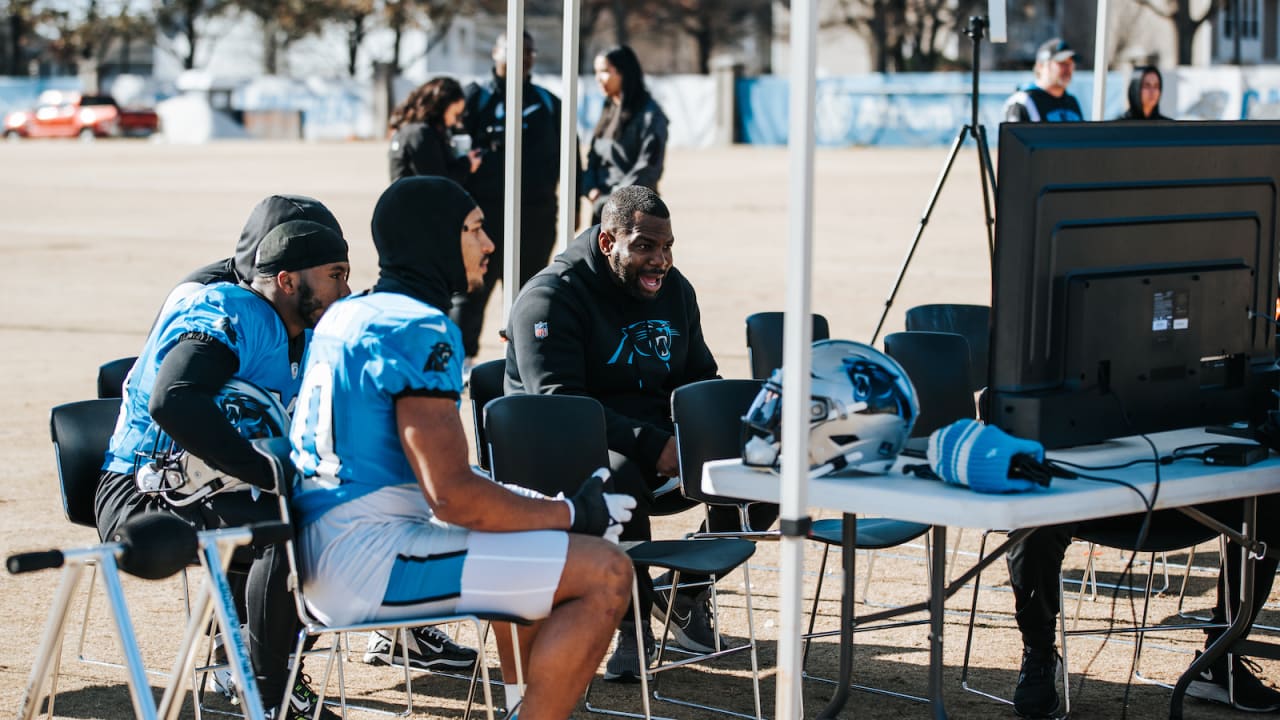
<point>182,404</point>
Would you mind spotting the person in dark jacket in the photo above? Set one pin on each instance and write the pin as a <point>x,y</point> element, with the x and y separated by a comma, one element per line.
<point>629,145</point>
<point>421,126</point>
<point>484,119</point>
<point>1145,88</point>
<point>612,319</point>
<point>1047,100</point>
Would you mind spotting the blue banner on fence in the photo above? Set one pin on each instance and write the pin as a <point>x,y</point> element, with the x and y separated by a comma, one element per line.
<point>912,109</point>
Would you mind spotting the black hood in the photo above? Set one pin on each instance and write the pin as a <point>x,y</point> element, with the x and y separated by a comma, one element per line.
<point>585,255</point>
<point>417,229</point>
<point>269,213</point>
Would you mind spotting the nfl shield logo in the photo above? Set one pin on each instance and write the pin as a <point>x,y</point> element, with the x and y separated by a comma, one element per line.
<point>540,330</point>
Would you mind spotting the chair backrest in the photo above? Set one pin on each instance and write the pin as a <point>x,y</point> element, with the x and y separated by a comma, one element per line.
<point>708,420</point>
<point>486,383</point>
<point>764,341</point>
<point>111,376</point>
<point>81,432</point>
<point>938,365</point>
<point>971,321</point>
<point>548,443</point>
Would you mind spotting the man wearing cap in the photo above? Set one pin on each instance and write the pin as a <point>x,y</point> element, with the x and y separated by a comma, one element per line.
<point>392,521</point>
<point>268,213</point>
<point>485,121</point>
<point>254,332</point>
<point>1047,100</point>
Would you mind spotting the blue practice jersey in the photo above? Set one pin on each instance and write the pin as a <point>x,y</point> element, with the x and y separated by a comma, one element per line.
<point>235,316</point>
<point>365,352</point>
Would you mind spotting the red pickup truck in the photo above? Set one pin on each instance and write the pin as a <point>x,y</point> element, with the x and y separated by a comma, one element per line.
<point>70,114</point>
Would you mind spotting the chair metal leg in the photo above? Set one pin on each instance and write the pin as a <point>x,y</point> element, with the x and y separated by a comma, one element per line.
<point>719,650</point>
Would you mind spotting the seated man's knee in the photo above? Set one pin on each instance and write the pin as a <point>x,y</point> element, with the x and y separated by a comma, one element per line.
<point>601,570</point>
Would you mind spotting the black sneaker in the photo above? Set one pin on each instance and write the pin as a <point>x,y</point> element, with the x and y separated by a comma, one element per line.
<point>302,703</point>
<point>429,649</point>
<point>1037,693</point>
<point>690,622</point>
<point>624,663</point>
<point>1251,694</point>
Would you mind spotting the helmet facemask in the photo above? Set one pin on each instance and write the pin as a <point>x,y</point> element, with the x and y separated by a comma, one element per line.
<point>182,478</point>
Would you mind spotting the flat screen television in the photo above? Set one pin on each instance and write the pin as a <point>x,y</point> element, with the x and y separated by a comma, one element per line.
<point>1134,279</point>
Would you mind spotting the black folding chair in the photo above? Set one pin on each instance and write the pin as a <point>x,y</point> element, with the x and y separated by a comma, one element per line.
<point>276,450</point>
<point>487,380</point>
<point>938,365</point>
<point>973,322</point>
<point>551,443</point>
<point>111,376</point>
<point>764,341</point>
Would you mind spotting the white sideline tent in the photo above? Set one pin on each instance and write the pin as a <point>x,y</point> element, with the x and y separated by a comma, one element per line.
<point>797,336</point>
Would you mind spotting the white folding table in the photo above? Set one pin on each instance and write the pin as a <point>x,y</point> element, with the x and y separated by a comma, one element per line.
<point>905,497</point>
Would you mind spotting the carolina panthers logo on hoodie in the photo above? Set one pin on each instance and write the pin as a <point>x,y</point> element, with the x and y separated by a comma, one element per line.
<point>647,338</point>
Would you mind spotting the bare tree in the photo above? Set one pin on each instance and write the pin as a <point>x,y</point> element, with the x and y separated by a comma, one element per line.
<point>905,35</point>
<point>181,18</point>
<point>356,17</point>
<point>432,16</point>
<point>710,23</point>
<point>20,17</point>
<point>1185,24</point>
<point>283,23</point>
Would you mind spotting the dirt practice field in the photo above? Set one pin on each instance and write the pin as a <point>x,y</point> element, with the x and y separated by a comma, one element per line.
<point>92,237</point>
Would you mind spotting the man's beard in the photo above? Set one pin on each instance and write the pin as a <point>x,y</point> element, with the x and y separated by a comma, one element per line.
<point>629,279</point>
<point>307,304</point>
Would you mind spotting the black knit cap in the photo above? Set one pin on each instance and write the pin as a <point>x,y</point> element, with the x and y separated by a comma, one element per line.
<point>298,245</point>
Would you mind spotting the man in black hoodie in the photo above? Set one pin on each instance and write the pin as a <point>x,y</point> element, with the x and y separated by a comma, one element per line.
<point>485,121</point>
<point>612,319</point>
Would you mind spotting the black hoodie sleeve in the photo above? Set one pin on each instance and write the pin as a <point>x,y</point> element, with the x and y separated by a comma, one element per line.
<point>189,377</point>
<point>424,151</point>
<point>554,365</point>
<point>701,364</point>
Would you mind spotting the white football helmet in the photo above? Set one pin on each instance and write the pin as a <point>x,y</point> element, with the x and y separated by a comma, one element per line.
<point>182,478</point>
<point>861,410</point>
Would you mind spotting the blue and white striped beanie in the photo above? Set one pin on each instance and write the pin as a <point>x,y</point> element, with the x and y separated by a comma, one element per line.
<point>977,456</point>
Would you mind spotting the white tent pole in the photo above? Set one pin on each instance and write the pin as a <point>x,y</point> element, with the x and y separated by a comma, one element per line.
<point>569,125</point>
<point>797,336</point>
<point>514,114</point>
<point>1100,61</point>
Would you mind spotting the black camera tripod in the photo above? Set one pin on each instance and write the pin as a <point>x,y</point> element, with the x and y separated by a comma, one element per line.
<point>975,31</point>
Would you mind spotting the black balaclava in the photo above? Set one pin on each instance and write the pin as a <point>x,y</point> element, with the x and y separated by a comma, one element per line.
<point>417,229</point>
<point>269,213</point>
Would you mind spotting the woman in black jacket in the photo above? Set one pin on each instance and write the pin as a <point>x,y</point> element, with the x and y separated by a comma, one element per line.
<point>421,141</point>
<point>629,144</point>
<point>1145,88</point>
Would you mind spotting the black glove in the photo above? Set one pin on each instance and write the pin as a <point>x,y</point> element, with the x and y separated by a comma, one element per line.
<point>598,513</point>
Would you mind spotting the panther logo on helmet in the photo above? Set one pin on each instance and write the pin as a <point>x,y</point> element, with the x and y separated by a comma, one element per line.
<point>862,407</point>
<point>182,478</point>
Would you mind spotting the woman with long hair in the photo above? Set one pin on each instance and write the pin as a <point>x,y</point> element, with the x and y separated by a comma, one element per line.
<point>629,144</point>
<point>1145,88</point>
<point>421,137</point>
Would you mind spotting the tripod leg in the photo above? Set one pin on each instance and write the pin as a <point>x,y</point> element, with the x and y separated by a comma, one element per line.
<point>988,186</point>
<point>924,220</point>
